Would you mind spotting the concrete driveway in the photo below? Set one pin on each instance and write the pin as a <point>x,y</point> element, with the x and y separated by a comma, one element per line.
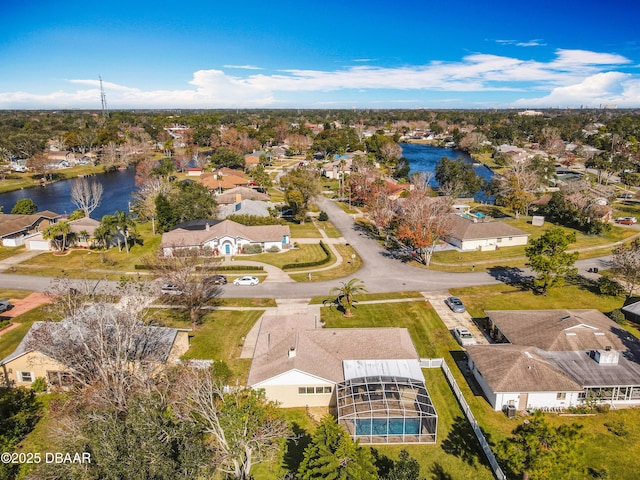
<point>451,319</point>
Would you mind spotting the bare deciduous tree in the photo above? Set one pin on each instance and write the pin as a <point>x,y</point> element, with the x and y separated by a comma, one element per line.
<point>245,428</point>
<point>190,270</point>
<point>109,349</point>
<point>86,195</point>
<point>625,263</point>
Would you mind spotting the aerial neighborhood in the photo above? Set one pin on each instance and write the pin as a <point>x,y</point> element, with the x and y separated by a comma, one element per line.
<point>236,293</point>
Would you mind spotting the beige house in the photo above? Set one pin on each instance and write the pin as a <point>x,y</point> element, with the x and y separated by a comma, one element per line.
<point>556,359</point>
<point>227,237</point>
<point>470,231</point>
<point>26,363</point>
<point>370,377</point>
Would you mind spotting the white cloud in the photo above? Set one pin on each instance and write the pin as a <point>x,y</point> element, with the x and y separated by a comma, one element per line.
<point>531,43</point>
<point>243,67</point>
<point>574,76</point>
<point>608,88</point>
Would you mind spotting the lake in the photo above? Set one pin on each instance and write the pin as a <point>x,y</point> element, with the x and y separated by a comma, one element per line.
<point>117,187</point>
<point>424,158</point>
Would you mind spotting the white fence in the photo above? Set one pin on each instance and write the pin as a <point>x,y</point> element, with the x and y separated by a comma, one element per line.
<point>440,363</point>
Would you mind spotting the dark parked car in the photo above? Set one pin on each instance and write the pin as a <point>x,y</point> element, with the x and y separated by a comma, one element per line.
<point>5,305</point>
<point>455,304</point>
<point>217,280</point>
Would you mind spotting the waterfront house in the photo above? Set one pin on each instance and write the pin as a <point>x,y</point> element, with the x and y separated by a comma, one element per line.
<point>17,230</point>
<point>470,231</point>
<point>554,359</point>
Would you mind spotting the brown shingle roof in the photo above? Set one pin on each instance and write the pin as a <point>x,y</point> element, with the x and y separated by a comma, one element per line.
<point>214,182</point>
<point>558,330</point>
<point>466,229</point>
<point>245,193</point>
<point>10,223</point>
<point>260,233</point>
<point>320,352</point>
<point>514,368</point>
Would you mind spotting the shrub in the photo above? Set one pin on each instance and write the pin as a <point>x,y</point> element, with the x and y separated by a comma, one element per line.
<point>39,385</point>
<point>323,217</point>
<point>608,286</point>
<point>252,249</point>
<point>617,316</point>
<point>273,249</point>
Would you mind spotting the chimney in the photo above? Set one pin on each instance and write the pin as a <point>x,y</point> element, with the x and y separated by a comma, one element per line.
<point>292,352</point>
<point>238,197</point>
<point>206,227</point>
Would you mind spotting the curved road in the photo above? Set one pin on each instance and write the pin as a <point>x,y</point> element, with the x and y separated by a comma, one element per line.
<point>379,273</point>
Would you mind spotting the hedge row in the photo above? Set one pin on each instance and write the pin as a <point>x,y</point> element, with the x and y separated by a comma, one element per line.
<point>326,259</point>
<point>224,268</point>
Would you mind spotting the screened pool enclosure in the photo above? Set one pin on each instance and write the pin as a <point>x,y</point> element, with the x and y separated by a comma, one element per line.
<point>386,408</point>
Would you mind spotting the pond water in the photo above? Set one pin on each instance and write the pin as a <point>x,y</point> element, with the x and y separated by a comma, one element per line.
<point>117,188</point>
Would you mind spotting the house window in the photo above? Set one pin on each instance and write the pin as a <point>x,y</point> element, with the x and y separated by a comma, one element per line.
<point>313,390</point>
<point>25,377</point>
<point>499,240</point>
<point>561,396</point>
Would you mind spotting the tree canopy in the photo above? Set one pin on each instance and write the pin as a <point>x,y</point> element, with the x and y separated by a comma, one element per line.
<point>548,257</point>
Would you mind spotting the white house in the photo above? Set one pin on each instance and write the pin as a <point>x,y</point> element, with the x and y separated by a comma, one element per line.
<point>473,232</point>
<point>227,237</point>
<point>556,359</point>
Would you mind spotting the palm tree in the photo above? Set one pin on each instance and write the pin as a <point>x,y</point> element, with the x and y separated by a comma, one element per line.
<point>55,230</point>
<point>347,292</point>
<point>124,224</point>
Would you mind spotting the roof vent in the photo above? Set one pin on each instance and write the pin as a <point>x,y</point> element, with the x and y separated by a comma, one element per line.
<point>566,317</point>
<point>292,352</point>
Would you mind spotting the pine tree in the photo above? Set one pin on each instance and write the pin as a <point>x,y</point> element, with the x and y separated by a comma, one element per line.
<point>333,455</point>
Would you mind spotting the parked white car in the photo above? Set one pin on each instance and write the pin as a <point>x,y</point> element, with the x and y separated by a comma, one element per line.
<point>246,281</point>
<point>463,336</point>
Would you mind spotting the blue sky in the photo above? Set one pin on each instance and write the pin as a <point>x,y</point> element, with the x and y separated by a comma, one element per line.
<point>329,54</point>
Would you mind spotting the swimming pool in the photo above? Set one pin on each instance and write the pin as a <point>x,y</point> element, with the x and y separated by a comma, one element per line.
<point>387,426</point>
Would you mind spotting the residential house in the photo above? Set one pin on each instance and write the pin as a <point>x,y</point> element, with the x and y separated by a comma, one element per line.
<point>237,194</point>
<point>370,377</point>
<point>17,230</point>
<point>227,238</point>
<point>223,179</point>
<point>195,171</point>
<point>158,345</point>
<point>556,359</point>
<point>250,161</point>
<point>471,231</point>
<point>337,168</point>
<point>256,208</point>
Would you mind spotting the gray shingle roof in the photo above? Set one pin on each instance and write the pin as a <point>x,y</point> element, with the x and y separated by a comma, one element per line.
<point>260,233</point>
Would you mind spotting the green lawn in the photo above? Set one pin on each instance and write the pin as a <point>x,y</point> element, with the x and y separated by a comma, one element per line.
<point>598,245</point>
<point>96,263</point>
<point>348,266</point>
<point>303,230</point>
<point>306,252</point>
<point>7,252</point>
<point>456,454</point>
<point>10,340</point>
<point>219,337</point>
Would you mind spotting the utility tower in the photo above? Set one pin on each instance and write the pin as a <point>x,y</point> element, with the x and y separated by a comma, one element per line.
<point>103,98</point>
